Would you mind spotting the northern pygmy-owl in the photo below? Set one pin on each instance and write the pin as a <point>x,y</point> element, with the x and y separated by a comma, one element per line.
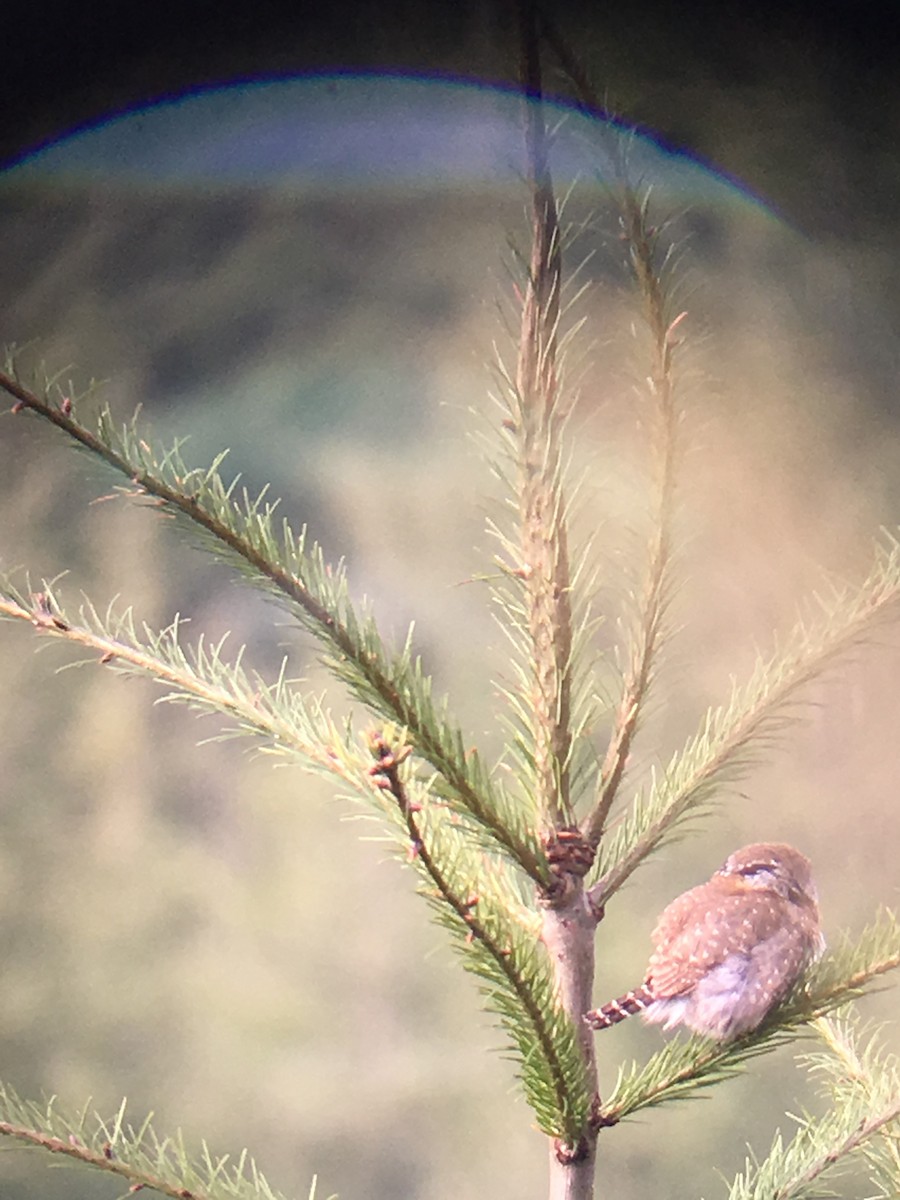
<point>726,952</point>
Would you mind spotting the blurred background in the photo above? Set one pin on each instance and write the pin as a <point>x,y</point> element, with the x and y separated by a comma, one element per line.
<point>315,276</point>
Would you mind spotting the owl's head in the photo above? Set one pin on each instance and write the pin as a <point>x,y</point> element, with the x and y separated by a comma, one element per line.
<point>773,867</point>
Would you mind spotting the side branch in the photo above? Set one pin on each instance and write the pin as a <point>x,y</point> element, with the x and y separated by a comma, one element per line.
<point>816,1165</point>
<point>484,937</point>
<point>385,774</point>
<point>208,683</point>
<point>139,1155</point>
<point>537,421</point>
<point>101,1160</point>
<point>729,740</point>
<point>642,243</point>
<point>392,686</point>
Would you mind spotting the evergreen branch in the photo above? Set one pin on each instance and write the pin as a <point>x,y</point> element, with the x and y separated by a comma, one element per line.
<point>863,1085</point>
<point>289,724</point>
<point>534,421</point>
<point>200,677</point>
<point>570,65</point>
<point>792,1172</point>
<point>244,530</point>
<point>649,274</point>
<point>682,1067</point>
<point>136,1154</point>
<point>642,242</point>
<point>498,942</point>
<point>732,736</point>
<point>850,1066</point>
<point>496,931</point>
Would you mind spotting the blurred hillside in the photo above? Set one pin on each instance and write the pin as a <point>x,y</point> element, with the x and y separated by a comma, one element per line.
<point>184,925</point>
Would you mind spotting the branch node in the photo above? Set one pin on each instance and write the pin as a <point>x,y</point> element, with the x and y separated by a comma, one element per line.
<point>568,1154</point>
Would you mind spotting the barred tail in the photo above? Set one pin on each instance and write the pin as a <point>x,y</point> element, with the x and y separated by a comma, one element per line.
<point>617,1010</point>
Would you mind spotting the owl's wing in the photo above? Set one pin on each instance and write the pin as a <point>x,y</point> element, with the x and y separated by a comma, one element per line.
<point>779,960</point>
<point>706,925</point>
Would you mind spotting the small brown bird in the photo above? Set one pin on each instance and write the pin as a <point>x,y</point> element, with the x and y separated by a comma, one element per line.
<point>726,952</point>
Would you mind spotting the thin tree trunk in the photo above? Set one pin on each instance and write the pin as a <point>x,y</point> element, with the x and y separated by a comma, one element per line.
<point>568,932</point>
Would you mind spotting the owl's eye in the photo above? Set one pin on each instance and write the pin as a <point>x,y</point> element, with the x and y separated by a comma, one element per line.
<point>758,870</point>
